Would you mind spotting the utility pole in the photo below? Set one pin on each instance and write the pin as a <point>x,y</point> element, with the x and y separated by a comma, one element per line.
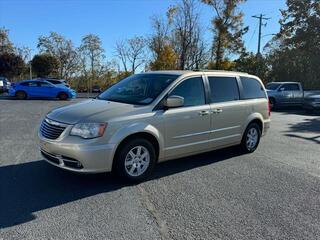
<point>261,18</point>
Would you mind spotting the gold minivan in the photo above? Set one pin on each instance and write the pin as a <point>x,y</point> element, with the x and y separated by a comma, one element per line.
<point>153,117</point>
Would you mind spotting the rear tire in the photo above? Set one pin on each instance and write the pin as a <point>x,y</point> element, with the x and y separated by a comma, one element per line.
<point>62,96</point>
<point>135,160</point>
<point>251,138</point>
<point>21,95</point>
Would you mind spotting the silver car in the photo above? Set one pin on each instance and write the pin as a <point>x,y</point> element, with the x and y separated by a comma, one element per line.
<point>153,117</point>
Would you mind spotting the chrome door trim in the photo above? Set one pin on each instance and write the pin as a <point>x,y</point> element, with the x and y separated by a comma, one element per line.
<point>200,142</point>
<point>207,132</point>
<point>191,135</point>
<point>224,129</point>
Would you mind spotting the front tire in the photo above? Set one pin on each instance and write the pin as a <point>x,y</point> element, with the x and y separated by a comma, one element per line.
<point>21,95</point>
<point>135,160</point>
<point>63,96</point>
<point>251,138</point>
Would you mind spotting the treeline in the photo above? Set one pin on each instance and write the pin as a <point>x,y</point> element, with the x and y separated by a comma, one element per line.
<point>176,42</point>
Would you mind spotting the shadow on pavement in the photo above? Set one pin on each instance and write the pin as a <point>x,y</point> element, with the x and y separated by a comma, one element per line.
<point>33,186</point>
<point>297,111</point>
<point>308,125</point>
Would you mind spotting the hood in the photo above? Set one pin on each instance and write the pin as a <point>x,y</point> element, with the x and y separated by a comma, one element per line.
<point>314,96</point>
<point>92,110</point>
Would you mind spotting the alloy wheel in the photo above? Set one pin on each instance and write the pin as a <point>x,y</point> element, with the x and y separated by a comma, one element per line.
<point>252,138</point>
<point>137,161</point>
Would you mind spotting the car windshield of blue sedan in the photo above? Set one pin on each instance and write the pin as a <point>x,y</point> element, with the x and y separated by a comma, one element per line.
<point>140,89</point>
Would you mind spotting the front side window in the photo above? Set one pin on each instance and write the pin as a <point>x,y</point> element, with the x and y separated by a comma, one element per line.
<point>252,88</point>
<point>44,84</point>
<point>24,84</point>
<point>29,84</point>
<point>192,90</point>
<point>291,87</point>
<point>223,89</point>
<point>140,89</point>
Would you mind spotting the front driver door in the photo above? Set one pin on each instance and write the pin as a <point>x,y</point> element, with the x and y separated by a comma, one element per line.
<point>286,94</point>
<point>187,128</point>
<point>46,89</point>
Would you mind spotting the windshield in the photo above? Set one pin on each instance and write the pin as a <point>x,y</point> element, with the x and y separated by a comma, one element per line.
<point>139,89</point>
<point>272,86</point>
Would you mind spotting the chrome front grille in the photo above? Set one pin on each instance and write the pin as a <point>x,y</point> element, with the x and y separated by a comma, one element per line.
<point>51,129</point>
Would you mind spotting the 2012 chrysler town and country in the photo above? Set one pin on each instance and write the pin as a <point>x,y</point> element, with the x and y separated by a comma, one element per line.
<point>153,117</point>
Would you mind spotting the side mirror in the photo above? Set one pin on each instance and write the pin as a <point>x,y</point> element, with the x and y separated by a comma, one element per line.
<point>281,89</point>
<point>174,101</point>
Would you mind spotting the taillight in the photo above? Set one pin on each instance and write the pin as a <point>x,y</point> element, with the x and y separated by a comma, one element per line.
<point>269,109</point>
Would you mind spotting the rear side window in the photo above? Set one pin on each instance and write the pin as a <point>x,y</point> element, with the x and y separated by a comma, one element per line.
<point>223,89</point>
<point>29,84</point>
<point>54,81</point>
<point>252,88</point>
<point>291,87</point>
<point>192,90</point>
<point>44,84</point>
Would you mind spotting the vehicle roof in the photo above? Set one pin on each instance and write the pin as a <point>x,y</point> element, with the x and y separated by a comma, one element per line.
<point>33,80</point>
<point>193,72</point>
<point>49,79</point>
<point>284,82</point>
<point>169,72</point>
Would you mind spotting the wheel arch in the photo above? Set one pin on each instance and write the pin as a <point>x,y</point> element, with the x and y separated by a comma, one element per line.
<point>143,134</point>
<point>254,118</point>
<point>23,91</point>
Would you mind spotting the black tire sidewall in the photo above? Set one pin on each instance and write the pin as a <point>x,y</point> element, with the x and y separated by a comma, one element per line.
<point>244,138</point>
<point>119,165</point>
<point>63,96</point>
<point>22,96</point>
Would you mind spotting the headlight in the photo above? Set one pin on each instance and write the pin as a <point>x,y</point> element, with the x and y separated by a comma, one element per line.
<point>88,130</point>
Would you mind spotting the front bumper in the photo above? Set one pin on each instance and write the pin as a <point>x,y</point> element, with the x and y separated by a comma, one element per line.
<point>72,94</point>
<point>12,92</point>
<point>77,157</point>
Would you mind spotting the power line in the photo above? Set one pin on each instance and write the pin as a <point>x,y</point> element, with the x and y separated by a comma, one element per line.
<point>261,18</point>
<point>254,32</point>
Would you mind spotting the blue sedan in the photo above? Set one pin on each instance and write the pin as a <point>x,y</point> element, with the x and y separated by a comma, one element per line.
<point>40,89</point>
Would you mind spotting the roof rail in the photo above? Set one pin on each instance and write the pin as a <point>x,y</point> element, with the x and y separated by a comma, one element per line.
<point>207,70</point>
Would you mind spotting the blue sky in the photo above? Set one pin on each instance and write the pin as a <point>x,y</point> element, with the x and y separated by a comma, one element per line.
<point>113,19</point>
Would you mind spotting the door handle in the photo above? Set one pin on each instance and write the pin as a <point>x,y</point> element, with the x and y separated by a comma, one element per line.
<point>203,113</point>
<point>217,110</point>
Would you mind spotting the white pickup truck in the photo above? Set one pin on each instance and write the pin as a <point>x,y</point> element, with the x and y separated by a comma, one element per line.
<point>291,94</point>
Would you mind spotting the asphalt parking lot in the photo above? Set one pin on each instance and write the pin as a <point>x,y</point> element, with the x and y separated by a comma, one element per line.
<point>273,193</point>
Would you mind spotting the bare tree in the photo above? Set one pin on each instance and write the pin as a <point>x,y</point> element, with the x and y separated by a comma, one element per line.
<point>92,56</point>
<point>186,34</point>
<point>61,48</point>
<point>137,52</point>
<point>121,52</point>
<point>132,53</point>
